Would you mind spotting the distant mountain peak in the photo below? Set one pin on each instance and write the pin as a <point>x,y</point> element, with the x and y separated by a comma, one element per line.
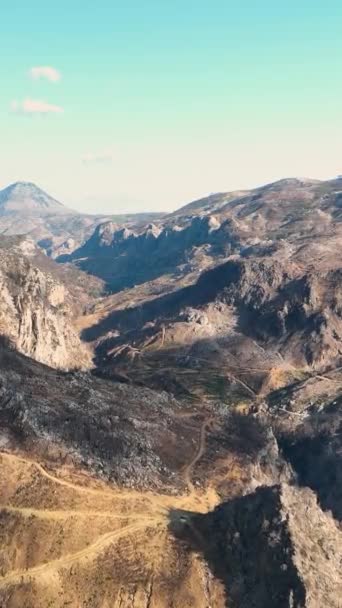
<point>23,184</point>
<point>290,182</point>
<point>27,198</point>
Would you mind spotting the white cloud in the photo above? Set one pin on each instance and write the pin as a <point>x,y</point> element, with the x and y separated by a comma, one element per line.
<point>35,106</point>
<point>105,157</point>
<point>47,72</point>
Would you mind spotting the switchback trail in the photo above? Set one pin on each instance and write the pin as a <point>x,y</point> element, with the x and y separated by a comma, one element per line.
<point>101,543</point>
<point>151,510</point>
<point>57,514</point>
<point>187,472</point>
<point>115,493</point>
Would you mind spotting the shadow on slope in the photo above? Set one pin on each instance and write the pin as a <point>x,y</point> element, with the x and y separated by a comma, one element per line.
<point>315,453</point>
<point>209,285</point>
<point>255,568</point>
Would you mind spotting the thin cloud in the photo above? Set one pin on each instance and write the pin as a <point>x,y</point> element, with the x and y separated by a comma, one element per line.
<point>46,72</point>
<point>35,106</point>
<point>101,158</point>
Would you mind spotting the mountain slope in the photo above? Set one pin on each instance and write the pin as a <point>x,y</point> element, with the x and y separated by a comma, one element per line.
<point>36,309</point>
<point>26,209</point>
<point>107,493</point>
<point>27,198</point>
<point>199,462</point>
<point>227,306</point>
<point>269,550</point>
<point>273,220</point>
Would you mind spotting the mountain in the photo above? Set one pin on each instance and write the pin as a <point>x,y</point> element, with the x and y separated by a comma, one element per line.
<point>122,492</point>
<point>27,198</point>
<point>58,230</point>
<point>258,544</point>
<point>37,309</point>
<point>171,407</point>
<point>278,216</point>
<point>249,296</point>
<point>207,204</point>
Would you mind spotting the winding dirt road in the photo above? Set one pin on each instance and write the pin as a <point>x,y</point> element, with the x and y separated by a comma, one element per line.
<point>67,560</point>
<point>188,470</point>
<point>144,509</point>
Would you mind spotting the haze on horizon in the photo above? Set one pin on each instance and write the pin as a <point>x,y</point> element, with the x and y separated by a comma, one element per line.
<point>114,108</point>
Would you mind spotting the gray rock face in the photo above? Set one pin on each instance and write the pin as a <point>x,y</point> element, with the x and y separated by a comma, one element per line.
<point>36,313</point>
<point>125,257</point>
<point>274,547</point>
<point>279,219</point>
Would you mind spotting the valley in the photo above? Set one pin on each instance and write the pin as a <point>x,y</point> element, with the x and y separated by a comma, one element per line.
<point>170,403</point>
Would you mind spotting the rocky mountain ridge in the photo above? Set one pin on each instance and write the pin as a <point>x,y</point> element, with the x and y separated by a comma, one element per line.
<point>279,220</point>
<point>37,310</point>
<point>25,209</point>
<point>272,548</point>
<point>248,297</point>
<point>198,462</point>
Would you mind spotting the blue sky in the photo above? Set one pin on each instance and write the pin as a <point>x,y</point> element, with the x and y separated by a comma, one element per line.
<point>160,102</point>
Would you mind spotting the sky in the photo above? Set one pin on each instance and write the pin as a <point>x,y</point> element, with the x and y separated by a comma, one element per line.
<point>117,106</point>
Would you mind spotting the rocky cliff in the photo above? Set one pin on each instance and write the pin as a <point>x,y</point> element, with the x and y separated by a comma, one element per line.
<point>278,220</point>
<point>198,463</point>
<point>274,547</point>
<point>36,312</point>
